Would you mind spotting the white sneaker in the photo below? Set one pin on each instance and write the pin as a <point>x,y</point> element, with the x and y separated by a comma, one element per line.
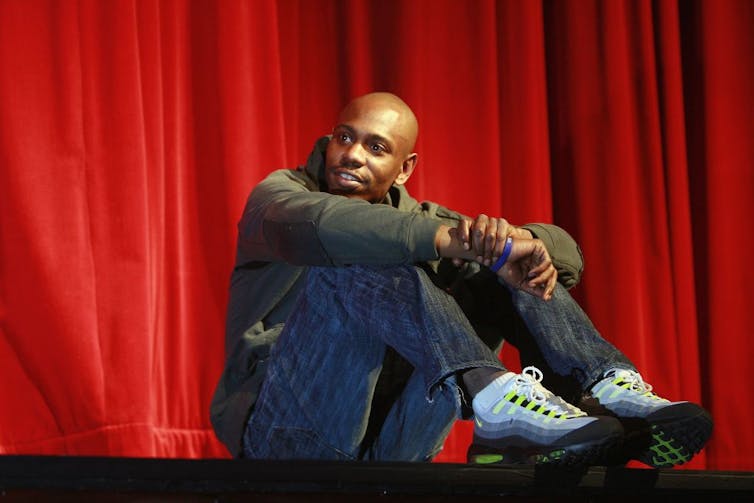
<point>517,420</point>
<point>678,429</point>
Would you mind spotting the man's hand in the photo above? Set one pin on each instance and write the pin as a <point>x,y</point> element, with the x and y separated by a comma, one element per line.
<point>529,268</point>
<point>486,237</point>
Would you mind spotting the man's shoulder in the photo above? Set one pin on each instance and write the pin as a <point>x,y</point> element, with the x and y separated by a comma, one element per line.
<point>306,176</point>
<point>289,178</point>
<point>297,175</point>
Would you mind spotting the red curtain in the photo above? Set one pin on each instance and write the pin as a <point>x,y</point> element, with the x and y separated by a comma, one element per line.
<point>131,133</point>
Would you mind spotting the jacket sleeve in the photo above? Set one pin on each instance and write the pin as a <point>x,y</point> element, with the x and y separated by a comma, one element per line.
<point>285,220</point>
<point>565,252</point>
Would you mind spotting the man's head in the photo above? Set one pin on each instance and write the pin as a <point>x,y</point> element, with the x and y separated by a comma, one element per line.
<point>372,147</point>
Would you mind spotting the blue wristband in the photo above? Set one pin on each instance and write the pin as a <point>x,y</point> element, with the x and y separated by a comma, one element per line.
<point>506,253</point>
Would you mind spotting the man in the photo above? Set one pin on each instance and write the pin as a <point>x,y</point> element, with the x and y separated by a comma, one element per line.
<point>361,323</point>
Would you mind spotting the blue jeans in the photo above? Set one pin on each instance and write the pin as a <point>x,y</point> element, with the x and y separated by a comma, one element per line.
<point>316,399</point>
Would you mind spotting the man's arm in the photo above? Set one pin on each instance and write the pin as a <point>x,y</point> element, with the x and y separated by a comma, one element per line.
<point>565,253</point>
<point>287,220</point>
<point>528,267</point>
<point>564,250</point>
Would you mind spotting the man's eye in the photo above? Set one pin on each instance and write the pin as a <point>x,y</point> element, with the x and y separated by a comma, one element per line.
<point>344,137</point>
<point>376,147</point>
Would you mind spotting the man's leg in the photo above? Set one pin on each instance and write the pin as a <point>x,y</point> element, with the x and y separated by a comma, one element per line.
<point>559,336</point>
<point>414,429</point>
<point>315,402</point>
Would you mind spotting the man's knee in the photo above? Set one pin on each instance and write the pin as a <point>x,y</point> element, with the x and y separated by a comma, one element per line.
<point>397,280</point>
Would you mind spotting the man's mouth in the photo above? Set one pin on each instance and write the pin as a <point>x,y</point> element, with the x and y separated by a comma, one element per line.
<point>347,176</point>
<point>343,180</point>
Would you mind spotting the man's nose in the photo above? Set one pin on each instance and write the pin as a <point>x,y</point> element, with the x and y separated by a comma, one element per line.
<point>353,155</point>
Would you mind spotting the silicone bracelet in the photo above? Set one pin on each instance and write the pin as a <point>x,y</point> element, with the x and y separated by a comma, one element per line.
<point>506,253</point>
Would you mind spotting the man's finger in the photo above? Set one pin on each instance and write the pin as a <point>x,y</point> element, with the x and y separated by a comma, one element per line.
<point>463,232</point>
<point>478,232</point>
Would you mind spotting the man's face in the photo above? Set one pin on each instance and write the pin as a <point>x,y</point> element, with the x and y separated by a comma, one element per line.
<point>367,154</point>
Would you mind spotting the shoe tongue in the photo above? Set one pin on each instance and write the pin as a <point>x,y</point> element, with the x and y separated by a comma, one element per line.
<point>619,373</point>
<point>503,384</point>
<point>494,391</point>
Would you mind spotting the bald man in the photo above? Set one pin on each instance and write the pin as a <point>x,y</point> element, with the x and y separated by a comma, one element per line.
<point>361,324</point>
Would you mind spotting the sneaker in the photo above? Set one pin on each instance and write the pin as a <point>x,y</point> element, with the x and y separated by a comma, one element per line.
<point>676,431</point>
<point>518,421</point>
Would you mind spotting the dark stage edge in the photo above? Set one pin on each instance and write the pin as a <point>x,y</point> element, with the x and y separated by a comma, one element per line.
<point>43,478</point>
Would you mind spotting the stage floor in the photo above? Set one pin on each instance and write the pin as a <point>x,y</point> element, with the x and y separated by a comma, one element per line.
<point>41,479</point>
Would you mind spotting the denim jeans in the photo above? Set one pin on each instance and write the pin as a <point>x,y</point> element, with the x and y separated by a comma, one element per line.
<point>316,399</point>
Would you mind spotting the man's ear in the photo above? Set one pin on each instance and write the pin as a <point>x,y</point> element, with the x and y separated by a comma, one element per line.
<point>409,163</point>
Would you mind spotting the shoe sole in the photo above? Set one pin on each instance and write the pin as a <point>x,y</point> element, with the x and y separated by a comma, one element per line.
<point>676,442</point>
<point>574,455</point>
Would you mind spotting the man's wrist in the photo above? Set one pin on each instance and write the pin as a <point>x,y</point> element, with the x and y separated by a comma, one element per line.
<point>504,256</point>
<point>449,245</point>
<point>524,233</point>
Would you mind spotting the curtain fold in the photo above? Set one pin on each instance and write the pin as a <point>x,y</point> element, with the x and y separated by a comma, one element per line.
<point>132,131</point>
